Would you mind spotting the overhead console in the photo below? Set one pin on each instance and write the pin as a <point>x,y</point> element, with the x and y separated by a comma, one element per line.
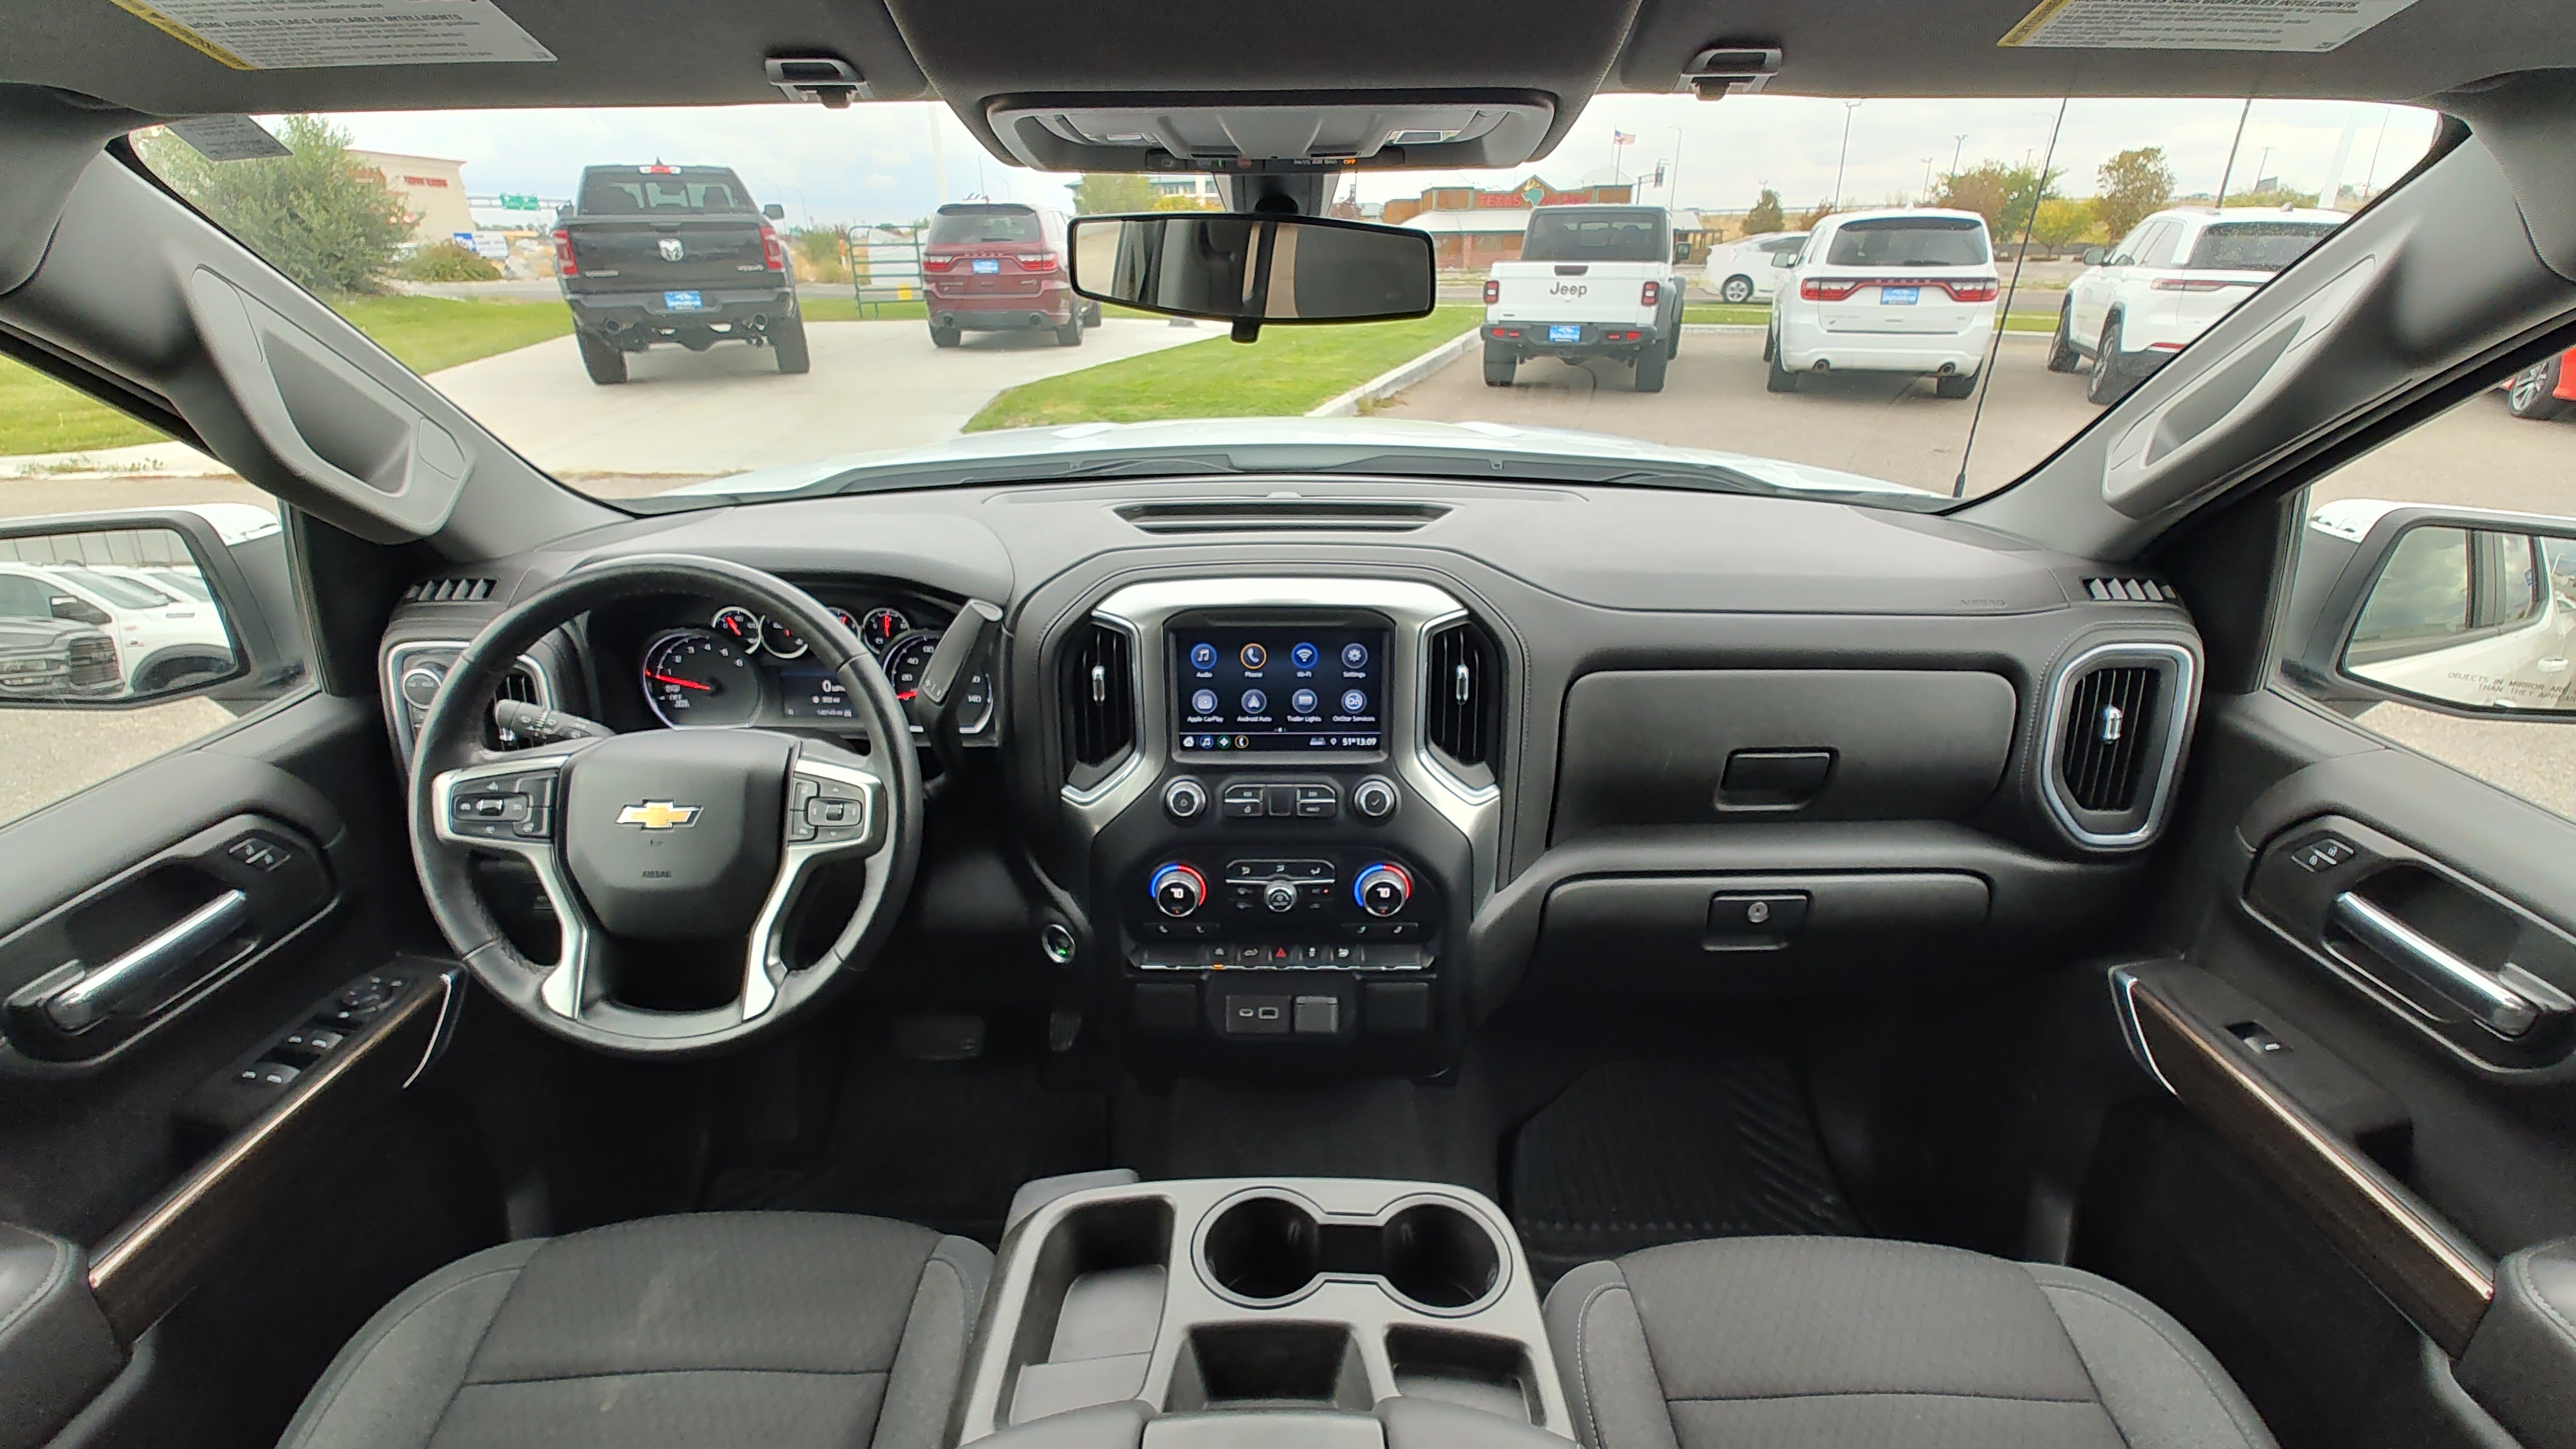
<point>1285,817</point>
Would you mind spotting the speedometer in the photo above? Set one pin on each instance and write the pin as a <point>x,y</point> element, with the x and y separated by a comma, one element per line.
<point>908,656</point>
<point>696,678</point>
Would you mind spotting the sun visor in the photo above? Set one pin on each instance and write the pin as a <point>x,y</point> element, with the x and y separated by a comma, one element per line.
<point>1262,133</point>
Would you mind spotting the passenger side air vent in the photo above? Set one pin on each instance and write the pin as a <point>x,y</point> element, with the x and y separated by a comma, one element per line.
<point>448,591</point>
<point>1099,696</point>
<point>1461,693</point>
<point>1275,515</point>
<point>2119,716</point>
<point>2136,591</point>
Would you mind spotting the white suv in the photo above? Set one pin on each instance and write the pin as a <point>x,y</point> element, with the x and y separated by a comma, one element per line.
<point>2140,302</point>
<point>1742,271</point>
<point>1887,291</point>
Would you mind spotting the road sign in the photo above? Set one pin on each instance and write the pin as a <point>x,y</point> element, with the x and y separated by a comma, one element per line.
<point>518,201</point>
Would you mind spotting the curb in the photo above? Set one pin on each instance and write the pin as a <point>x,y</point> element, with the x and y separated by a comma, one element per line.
<point>1399,377</point>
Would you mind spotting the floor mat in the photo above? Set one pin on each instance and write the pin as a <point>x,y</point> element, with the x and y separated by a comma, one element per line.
<point>943,1144</point>
<point>1640,1153</point>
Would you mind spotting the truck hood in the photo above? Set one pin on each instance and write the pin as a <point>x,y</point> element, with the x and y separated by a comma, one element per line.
<point>1284,445</point>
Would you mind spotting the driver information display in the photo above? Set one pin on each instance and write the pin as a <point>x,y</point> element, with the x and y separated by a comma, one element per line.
<point>1279,689</point>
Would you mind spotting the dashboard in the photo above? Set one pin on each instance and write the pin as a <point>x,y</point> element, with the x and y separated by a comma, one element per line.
<point>1268,793</point>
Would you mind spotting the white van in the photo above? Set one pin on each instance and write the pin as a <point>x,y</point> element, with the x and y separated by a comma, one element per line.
<point>1901,290</point>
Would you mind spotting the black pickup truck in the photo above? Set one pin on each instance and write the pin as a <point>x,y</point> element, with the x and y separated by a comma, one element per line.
<point>674,254</point>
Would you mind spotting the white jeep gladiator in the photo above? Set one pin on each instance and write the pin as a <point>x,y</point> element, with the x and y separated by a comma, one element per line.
<point>1592,281</point>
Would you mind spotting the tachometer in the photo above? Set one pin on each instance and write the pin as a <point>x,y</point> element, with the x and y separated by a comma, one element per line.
<point>909,655</point>
<point>740,625</point>
<point>696,678</point>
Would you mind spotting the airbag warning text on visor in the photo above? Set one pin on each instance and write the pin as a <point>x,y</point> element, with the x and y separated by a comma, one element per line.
<point>310,34</point>
<point>2293,25</point>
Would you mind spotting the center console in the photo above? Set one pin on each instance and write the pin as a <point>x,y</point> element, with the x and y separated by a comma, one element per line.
<point>1218,1311</point>
<point>1284,867</point>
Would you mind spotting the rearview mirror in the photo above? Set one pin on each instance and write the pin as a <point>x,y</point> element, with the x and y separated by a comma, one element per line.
<point>2457,610</point>
<point>125,609</point>
<point>2092,256</point>
<point>1252,269</point>
<point>774,211</point>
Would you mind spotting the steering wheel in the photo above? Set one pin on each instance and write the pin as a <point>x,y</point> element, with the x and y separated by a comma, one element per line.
<point>667,849</point>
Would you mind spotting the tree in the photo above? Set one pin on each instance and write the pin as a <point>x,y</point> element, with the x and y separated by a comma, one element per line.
<point>2000,192</point>
<point>2132,184</point>
<point>1103,192</point>
<point>1765,216</point>
<point>324,220</point>
<point>2063,222</point>
<point>1807,220</point>
<point>818,254</point>
<point>2271,196</point>
<point>446,261</point>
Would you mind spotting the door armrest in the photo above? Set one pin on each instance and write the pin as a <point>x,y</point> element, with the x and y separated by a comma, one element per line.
<point>2521,1365</point>
<point>56,1351</point>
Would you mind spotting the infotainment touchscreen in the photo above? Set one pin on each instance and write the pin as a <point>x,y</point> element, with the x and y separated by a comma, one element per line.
<point>1286,688</point>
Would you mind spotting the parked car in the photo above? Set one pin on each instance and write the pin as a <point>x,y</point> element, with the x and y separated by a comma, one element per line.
<point>1592,281</point>
<point>44,658</point>
<point>160,637</point>
<point>1900,290</point>
<point>2175,274</point>
<point>2543,390</point>
<point>1742,272</point>
<point>999,266</point>
<point>655,255</point>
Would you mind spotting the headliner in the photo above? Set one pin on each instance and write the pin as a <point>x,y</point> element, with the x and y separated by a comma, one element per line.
<point>681,52</point>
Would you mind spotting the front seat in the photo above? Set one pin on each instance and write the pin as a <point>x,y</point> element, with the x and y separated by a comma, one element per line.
<point>1838,1343</point>
<point>713,1330</point>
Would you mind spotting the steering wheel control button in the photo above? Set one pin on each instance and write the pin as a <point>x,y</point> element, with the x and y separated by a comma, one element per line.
<point>1767,915</point>
<point>800,794</point>
<point>1178,889</point>
<point>1185,799</point>
<point>1375,798</point>
<point>1382,889</point>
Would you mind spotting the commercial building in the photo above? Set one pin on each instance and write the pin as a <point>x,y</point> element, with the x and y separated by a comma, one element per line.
<point>432,189</point>
<point>1472,228</point>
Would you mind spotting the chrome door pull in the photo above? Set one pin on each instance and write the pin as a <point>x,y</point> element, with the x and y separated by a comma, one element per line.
<point>159,956</point>
<point>2488,1001</point>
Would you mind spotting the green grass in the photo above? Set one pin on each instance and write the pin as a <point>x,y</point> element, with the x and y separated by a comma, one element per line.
<point>1286,373</point>
<point>40,415</point>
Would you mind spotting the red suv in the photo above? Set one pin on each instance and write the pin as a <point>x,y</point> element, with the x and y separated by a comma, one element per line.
<point>991,266</point>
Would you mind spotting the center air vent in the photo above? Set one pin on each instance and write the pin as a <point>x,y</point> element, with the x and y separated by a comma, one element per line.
<point>1461,695</point>
<point>1098,691</point>
<point>1275,515</point>
<point>2119,716</point>
<point>521,684</point>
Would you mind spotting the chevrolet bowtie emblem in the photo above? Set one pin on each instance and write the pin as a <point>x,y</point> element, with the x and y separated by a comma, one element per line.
<point>658,815</point>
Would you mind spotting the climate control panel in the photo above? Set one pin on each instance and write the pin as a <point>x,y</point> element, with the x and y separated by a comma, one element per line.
<point>1307,909</point>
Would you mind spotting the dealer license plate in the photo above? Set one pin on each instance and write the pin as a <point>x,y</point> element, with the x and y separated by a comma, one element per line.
<point>1898,296</point>
<point>1566,334</point>
<point>683,301</point>
<point>987,266</point>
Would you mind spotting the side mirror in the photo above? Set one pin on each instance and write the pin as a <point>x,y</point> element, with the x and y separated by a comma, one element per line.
<point>2462,611</point>
<point>774,212</point>
<point>2092,256</point>
<point>1784,260</point>
<point>144,606</point>
<point>1252,268</point>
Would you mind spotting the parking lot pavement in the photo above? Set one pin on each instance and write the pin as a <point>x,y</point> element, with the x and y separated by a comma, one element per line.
<point>50,753</point>
<point>874,385</point>
<point>1878,424</point>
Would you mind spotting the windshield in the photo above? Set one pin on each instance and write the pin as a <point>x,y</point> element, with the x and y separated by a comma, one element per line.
<point>122,592</point>
<point>1909,241</point>
<point>965,226</point>
<point>909,320</point>
<point>661,191</point>
<point>2255,246</point>
<point>1594,236</point>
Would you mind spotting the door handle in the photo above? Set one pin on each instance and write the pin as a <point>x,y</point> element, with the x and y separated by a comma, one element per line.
<point>2487,1000</point>
<point>151,962</point>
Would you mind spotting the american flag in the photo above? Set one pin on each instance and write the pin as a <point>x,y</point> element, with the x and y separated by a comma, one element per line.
<point>1622,138</point>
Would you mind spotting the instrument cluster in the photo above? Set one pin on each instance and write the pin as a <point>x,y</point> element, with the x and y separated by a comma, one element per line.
<point>741,668</point>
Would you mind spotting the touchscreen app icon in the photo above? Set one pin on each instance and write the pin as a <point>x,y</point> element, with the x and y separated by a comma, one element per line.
<point>1354,656</point>
<point>1203,656</point>
<point>1304,656</point>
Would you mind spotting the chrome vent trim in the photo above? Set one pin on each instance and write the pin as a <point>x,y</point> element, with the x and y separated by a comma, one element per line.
<point>526,681</point>
<point>2132,774</point>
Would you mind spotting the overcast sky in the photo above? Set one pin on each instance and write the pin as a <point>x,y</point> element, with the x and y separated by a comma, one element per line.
<point>876,162</point>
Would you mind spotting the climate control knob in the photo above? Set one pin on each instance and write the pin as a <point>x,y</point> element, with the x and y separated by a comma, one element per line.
<point>1178,889</point>
<point>1382,889</point>
<point>1280,896</point>
<point>1374,798</point>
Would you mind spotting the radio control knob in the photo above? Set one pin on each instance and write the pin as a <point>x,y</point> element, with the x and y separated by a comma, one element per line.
<point>1374,798</point>
<point>1185,799</point>
<point>1280,895</point>
<point>1382,889</point>
<point>1178,889</point>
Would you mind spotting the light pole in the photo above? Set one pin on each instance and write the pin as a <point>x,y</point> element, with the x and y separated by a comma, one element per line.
<point>1927,174</point>
<point>1673,191</point>
<point>1962,145</point>
<point>1845,154</point>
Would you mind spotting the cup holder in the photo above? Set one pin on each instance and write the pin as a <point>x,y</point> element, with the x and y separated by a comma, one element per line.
<point>1266,1249</point>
